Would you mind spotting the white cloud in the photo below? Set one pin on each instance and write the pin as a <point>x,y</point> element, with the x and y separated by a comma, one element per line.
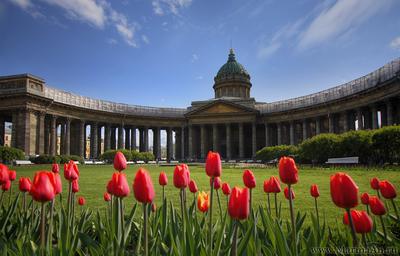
<point>195,57</point>
<point>111,41</point>
<point>340,18</point>
<point>395,43</point>
<point>28,7</point>
<point>160,7</point>
<point>145,39</point>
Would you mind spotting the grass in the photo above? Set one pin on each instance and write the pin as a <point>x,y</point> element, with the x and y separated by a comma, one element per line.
<point>93,181</point>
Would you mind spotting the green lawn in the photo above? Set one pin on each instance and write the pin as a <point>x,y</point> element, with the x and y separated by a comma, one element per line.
<point>93,181</point>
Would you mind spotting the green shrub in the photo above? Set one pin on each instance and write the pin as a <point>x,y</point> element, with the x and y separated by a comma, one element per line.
<point>356,143</point>
<point>109,155</point>
<point>146,156</point>
<point>8,154</point>
<point>386,144</point>
<point>319,148</point>
<point>275,152</point>
<point>60,159</point>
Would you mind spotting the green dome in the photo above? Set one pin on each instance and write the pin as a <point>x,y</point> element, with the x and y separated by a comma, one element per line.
<point>232,67</point>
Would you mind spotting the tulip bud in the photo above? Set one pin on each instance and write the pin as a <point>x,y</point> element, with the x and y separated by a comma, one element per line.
<point>6,186</point>
<point>203,202</point>
<point>213,164</point>
<point>55,168</point>
<point>217,183</point>
<point>344,191</point>
<point>375,183</point>
<point>12,175</point>
<point>288,170</point>
<point>267,187</point>
<point>57,183</point>
<point>239,203</point>
<point>118,186</point>
<point>162,179</point>
<point>143,186</point>
<point>376,205</point>
<point>226,189</point>
<point>365,198</point>
<point>286,192</point>
<point>119,161</point>
<point>274,185</point>
<point>75,186</point>
<point>107,197</point>
<point>388,190</point>
<point>181,176</point>
<point>71,171</point>
<point>362,221</point>
<point>193,186</point>
<point>314,191</point>
<point>42,189</point>
<point>81,200</point>
<point>3,173</point>
<point>248,179</point>
<point>25,184</point>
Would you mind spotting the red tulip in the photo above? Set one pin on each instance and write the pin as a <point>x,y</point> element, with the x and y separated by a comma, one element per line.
<point>3,174</point>
<point>388,190</point>
<point>25,184</point>
<point>12,175</point>
<point>109,187</point>
<point>375,183</point>
<point>75,186</point>
<point>274,185</point>
<point>181,176</point>
<point>71,171</point>
<point>42,189</point>
<point>118,186</point>
<point>226,189</point>
<point>248,179</point>
<point>376,205</point>
<point>6,186</point>
<point>344,191</point>
<point>119,161</point>
<point>213,164</point>
<point>288,170</point>
<point>365,198</point>
<point>286,192</point>
<point>239,203</point>
<point>57,183</point>
<point>362,221</point>
<point>55,168</point>
<point>314,191</point>
<point>107,197</point>
<point>267,187</point>
<point>217,183</point>
<point>203,202</point>
<point>143,186</point>
<point>193,186</point>
<point>153,207</point>
<point>162,179</point>
<point>81,200</point>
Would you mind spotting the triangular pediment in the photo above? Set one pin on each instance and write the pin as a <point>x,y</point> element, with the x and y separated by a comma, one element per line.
<point>221,108</point>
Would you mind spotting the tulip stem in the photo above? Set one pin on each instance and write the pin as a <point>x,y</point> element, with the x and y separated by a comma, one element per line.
<point>69,205</point>
<point>353,230</point>
<point>395,209</point>
<point>121,209</point>
<point>9,198</point>
<point>364,239</point>
<point>42,229</point>
<point>251,200</point>
<point>146,249</point>
<point>1,198</point>
<point>24,202</point>
<point>316,210</point>
<point>163,194</point>
<point>219,205</point>
<point>210,223</point>
<point>234,242</point>
<point>276,205</point>
<point>50,234</point>
<point>292,219</point>
<point>368,209</point>
<point>383,226</point>
<point>269,204</point>
<point>379,194</point>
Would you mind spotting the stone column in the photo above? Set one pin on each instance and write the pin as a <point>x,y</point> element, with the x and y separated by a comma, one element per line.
<point>146,139</point>
<point>133,138</point>
<point>202,142</point>
<point>228,142</point>
<point>253,139</point>
<point>279,133</point>
<point>183,142</point>
<point>107,137</point>
<point>99,139</point>
<point>331,122</point>
<point>156,143</point>
<point>359,119</point>
<point>62,138</point>
<point>127,138</point>
<point>2,131</point>
<point>389,113</point>
<point>67,141</point>
<point>121,136</point>
<point>266,134</point>
<point>190,141</point>
<point>374,112</point>
<point>113,143</point>
<point>291,131</point>
<point>169,144</point>
<point>305,129</point>
<point>53,135</point>
<point>82,139</point>
<point>93,141</point>
<point>241,141</point>
<point>14,129</point>
<point>345,118</point>
<point>215,137</point>
<point>317,126</point>
<point>40,135</point>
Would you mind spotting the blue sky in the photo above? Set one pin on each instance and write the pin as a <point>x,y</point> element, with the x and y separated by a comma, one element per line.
<point>167,52</point>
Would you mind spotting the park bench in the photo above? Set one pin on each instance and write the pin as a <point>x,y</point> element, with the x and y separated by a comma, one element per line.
<point>22,162</point>
<point>343,160</point>
<point>174,162</point>
<point>98,162</point>
<point>140,162</point>
<point>130,162</point>
<point>88,162</point>
<point>231,161</point>
<point>152,162</point>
